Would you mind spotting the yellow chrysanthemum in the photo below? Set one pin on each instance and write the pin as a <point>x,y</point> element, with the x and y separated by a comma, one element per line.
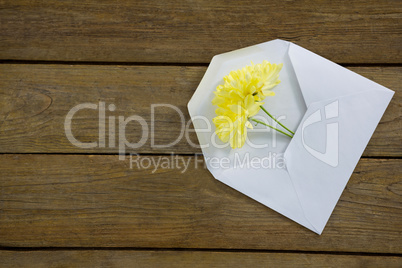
<point>232,121</point>
<point>239,98</point>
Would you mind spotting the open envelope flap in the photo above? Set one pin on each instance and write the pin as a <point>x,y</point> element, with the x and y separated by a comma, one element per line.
<point>330,140</point>
<point>200,106</point>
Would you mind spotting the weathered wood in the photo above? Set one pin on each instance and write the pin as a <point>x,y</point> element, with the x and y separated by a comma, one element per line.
<point>35,100</point>
<point>128,258</point>
<point>186,31</point>
<point>98,201</point>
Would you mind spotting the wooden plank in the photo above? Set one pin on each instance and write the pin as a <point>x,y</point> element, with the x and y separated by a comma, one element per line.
<point>98,201</point>
<point>35,100</point>
<point>128,258</point>
<point>186,31</point>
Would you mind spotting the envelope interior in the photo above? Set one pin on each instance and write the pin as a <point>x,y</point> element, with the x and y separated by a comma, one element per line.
<point>287,105</point>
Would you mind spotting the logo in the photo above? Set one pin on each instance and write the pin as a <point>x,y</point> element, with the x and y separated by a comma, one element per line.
<point>330,156</point>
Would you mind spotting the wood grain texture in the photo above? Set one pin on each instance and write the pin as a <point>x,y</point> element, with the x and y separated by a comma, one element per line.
<point>98,201</point>
<point>120,258</point>
<point>35,100</point>
<point>364,31</point>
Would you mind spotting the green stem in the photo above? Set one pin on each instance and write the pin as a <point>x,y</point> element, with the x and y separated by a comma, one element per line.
<point>276,120</point>
<point>260,122</point>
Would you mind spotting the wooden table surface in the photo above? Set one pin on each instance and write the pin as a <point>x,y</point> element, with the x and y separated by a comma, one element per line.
<point>64,206</point>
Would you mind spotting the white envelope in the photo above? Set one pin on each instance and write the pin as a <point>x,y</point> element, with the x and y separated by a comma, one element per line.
<point>334,112</point>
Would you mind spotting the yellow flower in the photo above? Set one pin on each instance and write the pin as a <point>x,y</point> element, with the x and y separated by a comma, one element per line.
<point>239,98</point>
<point>232,121</point>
